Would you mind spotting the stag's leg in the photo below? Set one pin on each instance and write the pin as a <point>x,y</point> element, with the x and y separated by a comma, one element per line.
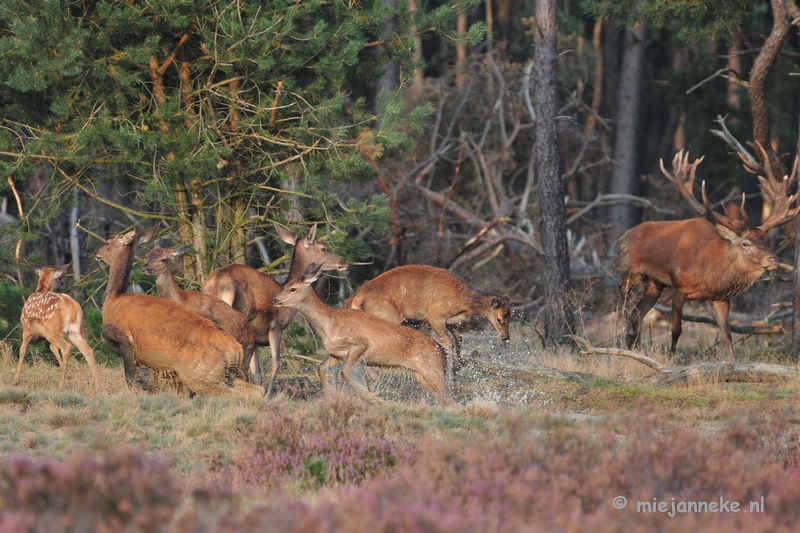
<point>79,341</point>
<point>677,316</point>
<point>650,293</point>
<point>26,339</point>
<point>722,311</point>
<point>354,356</point>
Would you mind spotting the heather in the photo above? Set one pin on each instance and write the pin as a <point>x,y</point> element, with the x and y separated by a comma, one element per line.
<point>339,465</point>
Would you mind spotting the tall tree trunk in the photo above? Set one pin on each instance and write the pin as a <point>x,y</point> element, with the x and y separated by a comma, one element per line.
<point>558,316</point>
<point>624,178</point>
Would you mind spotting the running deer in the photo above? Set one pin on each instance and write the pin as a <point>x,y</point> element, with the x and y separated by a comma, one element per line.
<point>250,292</point>
<point>159,262</point>
<point>51,315</point>
<point>711,258</point>
<point>350,335</point>
<point>436,296</point>
<point>162,335</point>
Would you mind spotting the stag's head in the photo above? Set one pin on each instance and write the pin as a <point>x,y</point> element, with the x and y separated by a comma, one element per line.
<point>750,245</point>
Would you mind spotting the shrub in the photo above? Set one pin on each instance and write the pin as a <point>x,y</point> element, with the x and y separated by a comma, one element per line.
<point>343,442</point>
<point>119,490</point>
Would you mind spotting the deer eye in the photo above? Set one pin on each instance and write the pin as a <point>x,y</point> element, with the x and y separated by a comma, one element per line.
<point>746,244</point>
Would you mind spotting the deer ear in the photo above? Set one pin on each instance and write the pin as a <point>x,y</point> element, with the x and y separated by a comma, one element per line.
<point>726,233</point>
<point>148,234</point>
<point>127,238</point>
<point>181,250</point>
<point>58,272</point>
<point>311,273</point>
<point>286,236</point>
<point>311,234</point>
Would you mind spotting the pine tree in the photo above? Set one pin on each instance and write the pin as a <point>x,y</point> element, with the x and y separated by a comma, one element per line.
<point>223,116</point>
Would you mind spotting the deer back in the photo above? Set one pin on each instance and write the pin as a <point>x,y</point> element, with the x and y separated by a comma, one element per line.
<point>160,261</point>
<point>421,292</point>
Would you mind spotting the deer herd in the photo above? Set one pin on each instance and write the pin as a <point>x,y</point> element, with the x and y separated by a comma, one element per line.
<point>207,340</point>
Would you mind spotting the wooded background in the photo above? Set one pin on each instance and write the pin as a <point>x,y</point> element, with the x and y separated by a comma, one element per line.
<point>412,132</point>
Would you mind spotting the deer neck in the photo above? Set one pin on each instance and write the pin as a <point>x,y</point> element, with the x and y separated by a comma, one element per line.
<point>316,311</point>
<point>167,287</point>
<point>44,285</point>
<point>119,274</point>
<point>298,263</point>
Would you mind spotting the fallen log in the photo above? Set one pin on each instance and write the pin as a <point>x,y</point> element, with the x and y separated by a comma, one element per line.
<point>724,372</point>
<point>713,371</point>
<point>588,348</point>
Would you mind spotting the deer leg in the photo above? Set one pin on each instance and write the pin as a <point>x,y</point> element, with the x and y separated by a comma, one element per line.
<point>79,341</point>
<point>440,328</point>
<point>722,309</point>
<point>323,373</point>
<point>65,348</point>
<point>22,349</point>
<point>353,356</point>
<point>121,346</point>
<point>677,316</point>
<point>55,349</point>
<point>275,334</point>
<point>255,368</point>
<point>434,383</point>
<point>650,294</point>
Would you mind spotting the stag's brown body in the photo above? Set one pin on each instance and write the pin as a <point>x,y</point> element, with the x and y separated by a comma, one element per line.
<point>50,315</point>
<point>433,295</point>
<point>350,335</point>
<point>251,292</point>
<point>712,258</point>
<point>165,336</point>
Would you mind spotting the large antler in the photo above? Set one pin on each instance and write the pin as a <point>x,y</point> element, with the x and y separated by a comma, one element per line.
<point>778,191</point>
<point>684,181</point>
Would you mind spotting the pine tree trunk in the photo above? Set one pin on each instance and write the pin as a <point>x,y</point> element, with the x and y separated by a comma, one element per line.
<point>624,178</point>
<point>558,316</point>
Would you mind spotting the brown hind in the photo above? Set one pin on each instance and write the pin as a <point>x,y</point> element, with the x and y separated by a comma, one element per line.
<point>162,335</point>
<point>250,292</point>
<point>350,335</point>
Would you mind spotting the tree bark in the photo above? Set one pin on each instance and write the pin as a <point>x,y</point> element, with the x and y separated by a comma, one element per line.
<point>624,178</point>
<point>758,78</point>
<point>558,316</point>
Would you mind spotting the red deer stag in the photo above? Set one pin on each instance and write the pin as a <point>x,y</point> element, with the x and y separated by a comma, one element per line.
<point>711,258</point>
<point>250,292</point>
<point>50,315</point>
<point>436,296</point>
<point>350,335</point>
<point>162,335</point>
<point>159,262</point>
